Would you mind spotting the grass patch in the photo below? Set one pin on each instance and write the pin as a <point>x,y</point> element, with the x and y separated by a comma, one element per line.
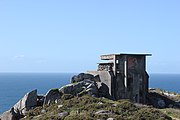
<point>85,107</point>
<point>174,113</point>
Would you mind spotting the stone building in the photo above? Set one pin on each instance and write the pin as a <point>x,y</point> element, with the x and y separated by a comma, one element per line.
<point>125,75</point>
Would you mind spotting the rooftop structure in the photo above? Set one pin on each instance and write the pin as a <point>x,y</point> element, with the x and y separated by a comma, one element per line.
<point>125,75</point>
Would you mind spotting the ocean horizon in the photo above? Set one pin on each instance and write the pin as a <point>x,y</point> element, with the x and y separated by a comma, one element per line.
<point>13,86</point>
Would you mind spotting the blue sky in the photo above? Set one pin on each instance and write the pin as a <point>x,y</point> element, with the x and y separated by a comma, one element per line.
<point>70,35</point>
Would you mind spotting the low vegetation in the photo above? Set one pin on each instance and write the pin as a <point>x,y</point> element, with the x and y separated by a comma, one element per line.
<point>87,108</point>
<point>174,113</point>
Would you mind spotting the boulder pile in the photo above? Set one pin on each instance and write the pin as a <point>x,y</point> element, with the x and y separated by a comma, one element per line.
<point>80,84</point>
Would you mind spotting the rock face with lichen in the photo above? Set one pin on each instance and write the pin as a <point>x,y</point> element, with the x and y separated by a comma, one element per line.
<point>52,96</point>
<point>87,95</point>
<point>82,87</point>
<point>29,101</point>
<point>10,115</point>
<point>81,77</point>
<point>159,99</point>
<point>81,84</point>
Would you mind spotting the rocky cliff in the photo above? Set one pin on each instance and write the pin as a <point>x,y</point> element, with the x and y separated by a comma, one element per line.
<point>85,98</point>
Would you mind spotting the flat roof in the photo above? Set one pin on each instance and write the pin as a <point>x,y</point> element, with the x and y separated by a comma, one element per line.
<point>110,56</point>
<point>105,63</point>
<point>136,54</point>
<point>143,54</point>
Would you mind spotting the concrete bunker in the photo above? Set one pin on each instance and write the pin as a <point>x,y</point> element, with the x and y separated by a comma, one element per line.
<point>125,75</point>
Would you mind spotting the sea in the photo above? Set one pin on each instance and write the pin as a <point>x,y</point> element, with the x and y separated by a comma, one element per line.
<point>13,86</point>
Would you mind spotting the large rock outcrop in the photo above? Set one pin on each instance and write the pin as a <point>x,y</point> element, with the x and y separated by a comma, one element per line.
<point>29,101</point>
<point>103,90</point>
<point>10,115</point>
<point>80,84</point>
<point>86,86</point>
<point>52,96</point>
<point>162,99</point>
<point>80,77</point>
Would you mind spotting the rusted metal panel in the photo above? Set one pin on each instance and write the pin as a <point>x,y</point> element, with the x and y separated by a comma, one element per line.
<point>129,79</point>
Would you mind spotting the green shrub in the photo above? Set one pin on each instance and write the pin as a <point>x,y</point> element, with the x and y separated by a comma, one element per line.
<point>150,114</point>
<point>66,96</point>
<point>85,107</point>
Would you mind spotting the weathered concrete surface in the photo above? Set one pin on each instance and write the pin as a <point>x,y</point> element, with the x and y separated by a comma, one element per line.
<point>105,77</point>
<point>125,75</point>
